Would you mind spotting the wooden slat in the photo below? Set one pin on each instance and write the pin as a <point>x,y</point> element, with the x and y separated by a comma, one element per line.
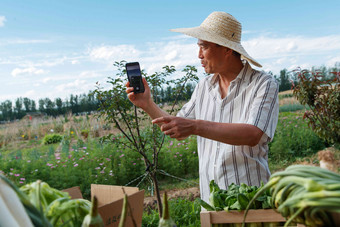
<point>267,215</point>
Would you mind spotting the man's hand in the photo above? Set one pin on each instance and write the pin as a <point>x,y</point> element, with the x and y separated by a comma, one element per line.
<point>176,127</point>
<point>141,100</point>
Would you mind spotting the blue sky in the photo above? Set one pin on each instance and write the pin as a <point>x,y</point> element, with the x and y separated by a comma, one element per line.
<point>57,48</point>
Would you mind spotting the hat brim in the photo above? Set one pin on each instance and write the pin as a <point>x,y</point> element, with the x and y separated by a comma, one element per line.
<point>204,34</point>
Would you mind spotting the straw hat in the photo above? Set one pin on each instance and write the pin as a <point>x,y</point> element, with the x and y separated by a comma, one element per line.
<point>220,28</point>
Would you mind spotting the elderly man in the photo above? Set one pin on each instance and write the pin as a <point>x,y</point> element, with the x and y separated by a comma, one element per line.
<point>233,111</point>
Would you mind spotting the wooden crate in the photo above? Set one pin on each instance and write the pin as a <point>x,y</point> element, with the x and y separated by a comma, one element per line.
<point>223,217</point>
<point>262,215</point>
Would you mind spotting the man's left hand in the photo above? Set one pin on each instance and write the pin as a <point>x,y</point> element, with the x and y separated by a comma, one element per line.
<point>176,127</point>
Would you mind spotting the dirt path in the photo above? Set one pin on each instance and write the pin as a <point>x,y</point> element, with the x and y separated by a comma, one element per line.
<point>187,193</point>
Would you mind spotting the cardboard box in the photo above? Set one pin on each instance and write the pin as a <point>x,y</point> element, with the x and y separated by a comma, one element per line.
<point>110,202</point>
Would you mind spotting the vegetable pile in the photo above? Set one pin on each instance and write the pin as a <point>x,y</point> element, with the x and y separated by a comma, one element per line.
<point>37,204</point>
<point>304,194</point>
<point>236,197</point>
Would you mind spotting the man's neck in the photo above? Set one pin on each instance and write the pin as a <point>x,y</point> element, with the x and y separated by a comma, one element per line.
<point>229,75</point>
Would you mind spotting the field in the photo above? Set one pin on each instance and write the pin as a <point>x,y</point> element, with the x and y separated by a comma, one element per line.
<point>81,157</point>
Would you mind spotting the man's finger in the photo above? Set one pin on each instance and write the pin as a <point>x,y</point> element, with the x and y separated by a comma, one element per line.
<point>131,96</point>
<point>162,120</point>
<point>129,89</point>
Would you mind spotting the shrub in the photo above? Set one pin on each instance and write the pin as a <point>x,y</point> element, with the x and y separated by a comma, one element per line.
<point>52,138</point>
<point>323,98</point>
<point>293,139</point>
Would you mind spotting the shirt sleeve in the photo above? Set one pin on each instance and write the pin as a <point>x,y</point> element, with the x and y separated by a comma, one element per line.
<point>265,108</point>
<point>188,110</point>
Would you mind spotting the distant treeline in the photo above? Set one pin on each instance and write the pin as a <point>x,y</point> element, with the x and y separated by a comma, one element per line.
<point>87,103</point>
<point>76,104</point>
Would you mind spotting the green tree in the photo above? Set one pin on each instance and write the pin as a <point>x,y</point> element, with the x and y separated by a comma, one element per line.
<point>41,105</point>
<point>7,110</point>
<point>323,99</point>
<point>117,109</point>
<point>284,81</point>
<point>59,104</point>
<point>18,108</point>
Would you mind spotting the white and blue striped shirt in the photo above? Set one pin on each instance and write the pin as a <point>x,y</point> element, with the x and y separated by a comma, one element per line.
<point>252,99</point>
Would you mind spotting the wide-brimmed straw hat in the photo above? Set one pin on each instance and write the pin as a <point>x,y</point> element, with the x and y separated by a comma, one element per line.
<point>223,29</point>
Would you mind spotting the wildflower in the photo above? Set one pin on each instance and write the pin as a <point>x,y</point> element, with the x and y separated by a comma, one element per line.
<point>97,167</point>
<point>134,163</point>
<point>22,178</point>
<point>28,161</point>
<point>21,182</point>
<point>102,171</point>
<point>84,148</point>
<point>171,143</point>
<point>52,130</point>
<point>107,159</point>
<point>75,165</point>
<point>122,156</point>
<point>72,132</point>
<point>57,158</point>
<point>17,174</point>
<point>23,136</point>
<point>101,164</point>
<point>180,160</point>
<point>175,156</point>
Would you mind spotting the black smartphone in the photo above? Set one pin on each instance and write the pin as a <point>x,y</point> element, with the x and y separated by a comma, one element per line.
<point>135,76</point>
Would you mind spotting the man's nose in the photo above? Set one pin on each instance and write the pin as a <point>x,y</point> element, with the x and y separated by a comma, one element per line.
<point>200,55</point>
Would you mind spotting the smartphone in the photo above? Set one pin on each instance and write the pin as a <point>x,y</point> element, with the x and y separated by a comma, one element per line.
<point>135,76</point>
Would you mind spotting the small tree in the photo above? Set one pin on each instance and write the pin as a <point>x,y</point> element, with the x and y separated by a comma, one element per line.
<point>323,99</point>
<point>144,138</point>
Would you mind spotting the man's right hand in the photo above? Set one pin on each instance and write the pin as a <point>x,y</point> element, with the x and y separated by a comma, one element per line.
<point>141,100</point>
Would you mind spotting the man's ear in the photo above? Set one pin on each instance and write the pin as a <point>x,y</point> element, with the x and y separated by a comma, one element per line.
<point>228,51</point>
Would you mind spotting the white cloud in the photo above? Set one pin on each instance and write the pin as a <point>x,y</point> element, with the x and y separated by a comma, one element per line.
<point>269,47</point>
<point>116,53</point>
<point>29,70</point>
<point>2,21</point>
<point>73,87</point>
<point>277,53</point>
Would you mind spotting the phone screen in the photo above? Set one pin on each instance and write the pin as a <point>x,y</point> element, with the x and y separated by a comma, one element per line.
<point>135,76</point>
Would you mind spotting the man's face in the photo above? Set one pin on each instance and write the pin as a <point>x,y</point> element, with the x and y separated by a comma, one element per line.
<point>213,57</point>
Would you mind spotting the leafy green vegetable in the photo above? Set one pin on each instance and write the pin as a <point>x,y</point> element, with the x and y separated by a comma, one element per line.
<point>236,197</point>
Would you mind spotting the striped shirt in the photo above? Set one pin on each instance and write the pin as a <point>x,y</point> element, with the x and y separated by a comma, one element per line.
<point>252,98</point>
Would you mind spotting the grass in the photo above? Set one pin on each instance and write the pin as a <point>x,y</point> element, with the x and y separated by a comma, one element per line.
<point>80,161</point>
